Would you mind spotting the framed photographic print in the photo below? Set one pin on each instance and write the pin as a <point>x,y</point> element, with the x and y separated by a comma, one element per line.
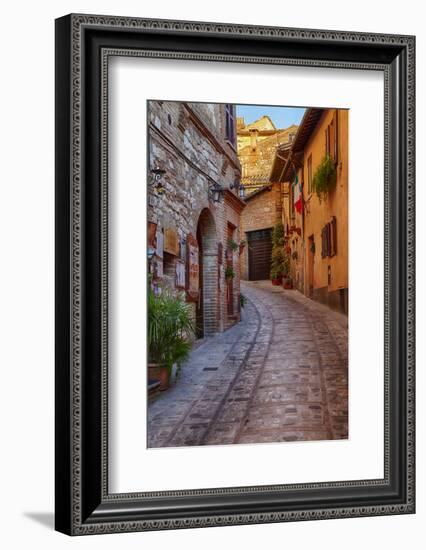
<point>234,274</point>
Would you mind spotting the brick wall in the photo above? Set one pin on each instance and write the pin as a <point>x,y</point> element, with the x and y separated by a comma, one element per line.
<point>188,141</point>
<point>262,211</point>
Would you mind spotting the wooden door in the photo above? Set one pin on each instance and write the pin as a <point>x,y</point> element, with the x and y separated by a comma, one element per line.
<point>260,251</point>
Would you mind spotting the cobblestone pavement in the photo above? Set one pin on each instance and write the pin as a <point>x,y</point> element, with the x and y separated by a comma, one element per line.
<point>278,375</point>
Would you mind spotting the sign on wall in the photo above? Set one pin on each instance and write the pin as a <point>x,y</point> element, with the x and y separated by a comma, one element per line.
<point>152,230</point>
<point>171,242</point>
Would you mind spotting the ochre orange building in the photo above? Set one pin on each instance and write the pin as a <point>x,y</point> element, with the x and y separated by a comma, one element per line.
<point>317,230</point>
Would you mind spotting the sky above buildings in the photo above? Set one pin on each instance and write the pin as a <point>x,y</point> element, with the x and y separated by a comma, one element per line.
<point>282,117</point>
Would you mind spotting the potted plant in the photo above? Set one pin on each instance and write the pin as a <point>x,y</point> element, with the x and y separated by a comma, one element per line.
<point>278,256</point>
<point>243,300</point>
<point>325,177</point>
<point>170,329</point>
<point>229,272</point>
<point>287,283</point>
<point>277,266</point>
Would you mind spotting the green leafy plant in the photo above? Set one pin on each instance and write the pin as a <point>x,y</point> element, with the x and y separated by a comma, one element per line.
<point>286,266</point>
<point>243,300</point>
<point>232,245</point>
<point>277,263</point>
<point>170,328</point>
<point>278,234</point>
<point>279,260</point>
<point>229,272</point>
<point>325,177</point>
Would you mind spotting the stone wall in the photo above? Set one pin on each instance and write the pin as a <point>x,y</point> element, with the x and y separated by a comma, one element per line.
<point>257,144</point>
<point>188,142</point>
<point>263,210</point>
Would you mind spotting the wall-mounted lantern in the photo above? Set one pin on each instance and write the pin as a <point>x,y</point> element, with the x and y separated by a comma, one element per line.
<point>151,252</point>
<point>240,187</point>
<point>215,192</point>
<point>157,174</point>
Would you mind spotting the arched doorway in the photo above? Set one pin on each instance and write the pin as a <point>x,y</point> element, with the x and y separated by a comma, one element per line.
<point>207,305</point>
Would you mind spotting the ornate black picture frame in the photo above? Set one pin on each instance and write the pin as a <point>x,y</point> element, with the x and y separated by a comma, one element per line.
<point>83,45</point>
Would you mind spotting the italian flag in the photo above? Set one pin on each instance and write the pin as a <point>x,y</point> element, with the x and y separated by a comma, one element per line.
<point>297,196</point>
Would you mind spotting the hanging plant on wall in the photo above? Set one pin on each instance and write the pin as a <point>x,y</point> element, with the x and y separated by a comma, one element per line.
<point>229,272</point>
<point>325,177</point>
<point>232,245</point>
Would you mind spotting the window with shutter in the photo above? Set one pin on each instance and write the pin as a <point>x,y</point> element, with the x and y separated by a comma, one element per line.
<point>332,152</point>
<point>331,147</point>
<point>310,174</point>
<point>333,224</point>
<point>230,123</point>
<point>323,243</point>
<point>328,226</point>
<point>329,239</point>
<point>336,135</point>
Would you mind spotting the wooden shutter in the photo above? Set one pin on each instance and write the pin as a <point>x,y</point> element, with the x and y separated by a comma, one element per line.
<point>333,232</point>
<point>329,239</point>
<point>230,123</point>
<point>336,135</point>
<point>332,133</point>
<point>323,243</point>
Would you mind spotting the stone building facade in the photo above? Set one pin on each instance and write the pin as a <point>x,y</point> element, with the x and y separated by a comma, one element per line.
<point>263,210</point>
<point>260,146</point>
<point>257,145</point>
<point>194,215</point>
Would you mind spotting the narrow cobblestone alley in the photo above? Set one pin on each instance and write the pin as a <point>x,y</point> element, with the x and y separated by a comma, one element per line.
<point>278,375</point>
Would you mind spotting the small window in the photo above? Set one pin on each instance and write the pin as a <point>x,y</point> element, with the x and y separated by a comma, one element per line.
<point>333,236</point>
<point>329,239</point>
<point>230,132</point>
<point>331,146</point>
<point>309,163</point>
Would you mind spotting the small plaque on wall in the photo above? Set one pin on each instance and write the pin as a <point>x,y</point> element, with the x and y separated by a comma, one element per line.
<point>171,242</point>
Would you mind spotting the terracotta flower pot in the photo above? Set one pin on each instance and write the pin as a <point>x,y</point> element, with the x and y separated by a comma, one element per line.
<point>158,372</point>
<point>277,282</point>
<point>288,284</point>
